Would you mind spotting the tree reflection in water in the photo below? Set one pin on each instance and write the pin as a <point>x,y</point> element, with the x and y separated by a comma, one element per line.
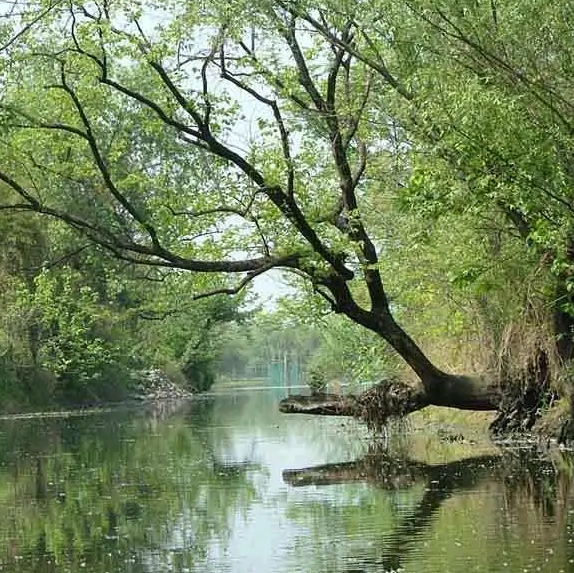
<point>201,490</point>
<point>528,478</point>
<point>149,495</point>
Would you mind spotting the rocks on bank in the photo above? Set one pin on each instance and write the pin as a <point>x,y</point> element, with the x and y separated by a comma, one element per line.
<point>155,385</point>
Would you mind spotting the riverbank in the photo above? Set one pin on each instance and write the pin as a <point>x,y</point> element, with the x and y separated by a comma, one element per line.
<point>142,387</point>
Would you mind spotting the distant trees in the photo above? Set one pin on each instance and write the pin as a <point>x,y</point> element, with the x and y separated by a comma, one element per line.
<point>268,345</point>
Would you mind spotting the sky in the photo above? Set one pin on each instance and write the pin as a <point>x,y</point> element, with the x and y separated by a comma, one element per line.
<point>269,287</point>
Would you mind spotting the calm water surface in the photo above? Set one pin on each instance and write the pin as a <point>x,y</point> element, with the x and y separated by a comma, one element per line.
<point>227,484</point>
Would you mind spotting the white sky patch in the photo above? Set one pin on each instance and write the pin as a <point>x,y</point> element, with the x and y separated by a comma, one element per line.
<point>271,286</point>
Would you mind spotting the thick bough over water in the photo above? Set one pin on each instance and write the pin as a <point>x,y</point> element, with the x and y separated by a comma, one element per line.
<point>227,484</point>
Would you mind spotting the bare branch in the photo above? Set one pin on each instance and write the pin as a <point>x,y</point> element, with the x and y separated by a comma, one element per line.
<point>60,260</point>
<point>33,203</point>
<point>334,70</point>
<point>223,209</point>
<point>204,86</point>
<point>348,180</point>
<point>142,34</point>
<point>158,316</point>
<point>103,167</point>
<point>304,75</point>
<point>238,287</point>
<point>362,165</point>
<point>274,79</point>
<point>35,123</point>
<point>186,104</point>
<point>355,119</point>
<point>138,253</point>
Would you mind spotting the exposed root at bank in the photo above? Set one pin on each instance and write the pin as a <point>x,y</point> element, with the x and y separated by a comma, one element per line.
<point>521,410</point>
<point>520,406</point>
<point>388,399</point>
<point>526,398</point>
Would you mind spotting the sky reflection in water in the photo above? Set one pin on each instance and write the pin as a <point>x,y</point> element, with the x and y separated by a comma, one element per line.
<point>227,484</point>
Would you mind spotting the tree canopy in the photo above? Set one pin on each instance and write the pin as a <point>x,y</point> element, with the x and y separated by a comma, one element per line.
<point>238,137</point>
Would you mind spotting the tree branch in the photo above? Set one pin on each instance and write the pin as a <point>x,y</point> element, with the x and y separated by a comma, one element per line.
<point>283,133</point>
<point>377,65</point>
<point>126,250</point>
<point>27,27</point>
<point>103,167</point>
<point>276,81</point>
<point>304,76</point>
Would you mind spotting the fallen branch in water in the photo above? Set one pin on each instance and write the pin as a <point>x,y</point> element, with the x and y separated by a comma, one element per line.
<point>391,398</point>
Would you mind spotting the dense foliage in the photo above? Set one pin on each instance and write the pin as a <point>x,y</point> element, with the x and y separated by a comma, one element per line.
<point>409,163</point>
<point>77,326</point>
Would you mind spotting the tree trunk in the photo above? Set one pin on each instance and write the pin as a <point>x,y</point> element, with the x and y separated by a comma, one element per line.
<point>442,389</point>
<point>564,321</point>
<point>397,398</point>
<point>464,392</point>
<point>393,398</point>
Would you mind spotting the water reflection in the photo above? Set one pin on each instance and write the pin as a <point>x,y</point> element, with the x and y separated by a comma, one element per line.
<point>128,491</point>
<point>526,477</point>
<point>207,487</point>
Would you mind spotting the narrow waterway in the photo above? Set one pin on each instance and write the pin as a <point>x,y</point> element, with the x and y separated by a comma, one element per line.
<point>225,483</point>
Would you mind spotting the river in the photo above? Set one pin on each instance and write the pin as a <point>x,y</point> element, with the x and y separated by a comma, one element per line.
<point>225,483</point>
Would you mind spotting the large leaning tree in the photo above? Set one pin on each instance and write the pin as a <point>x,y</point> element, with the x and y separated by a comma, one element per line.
<point>231,138</point>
